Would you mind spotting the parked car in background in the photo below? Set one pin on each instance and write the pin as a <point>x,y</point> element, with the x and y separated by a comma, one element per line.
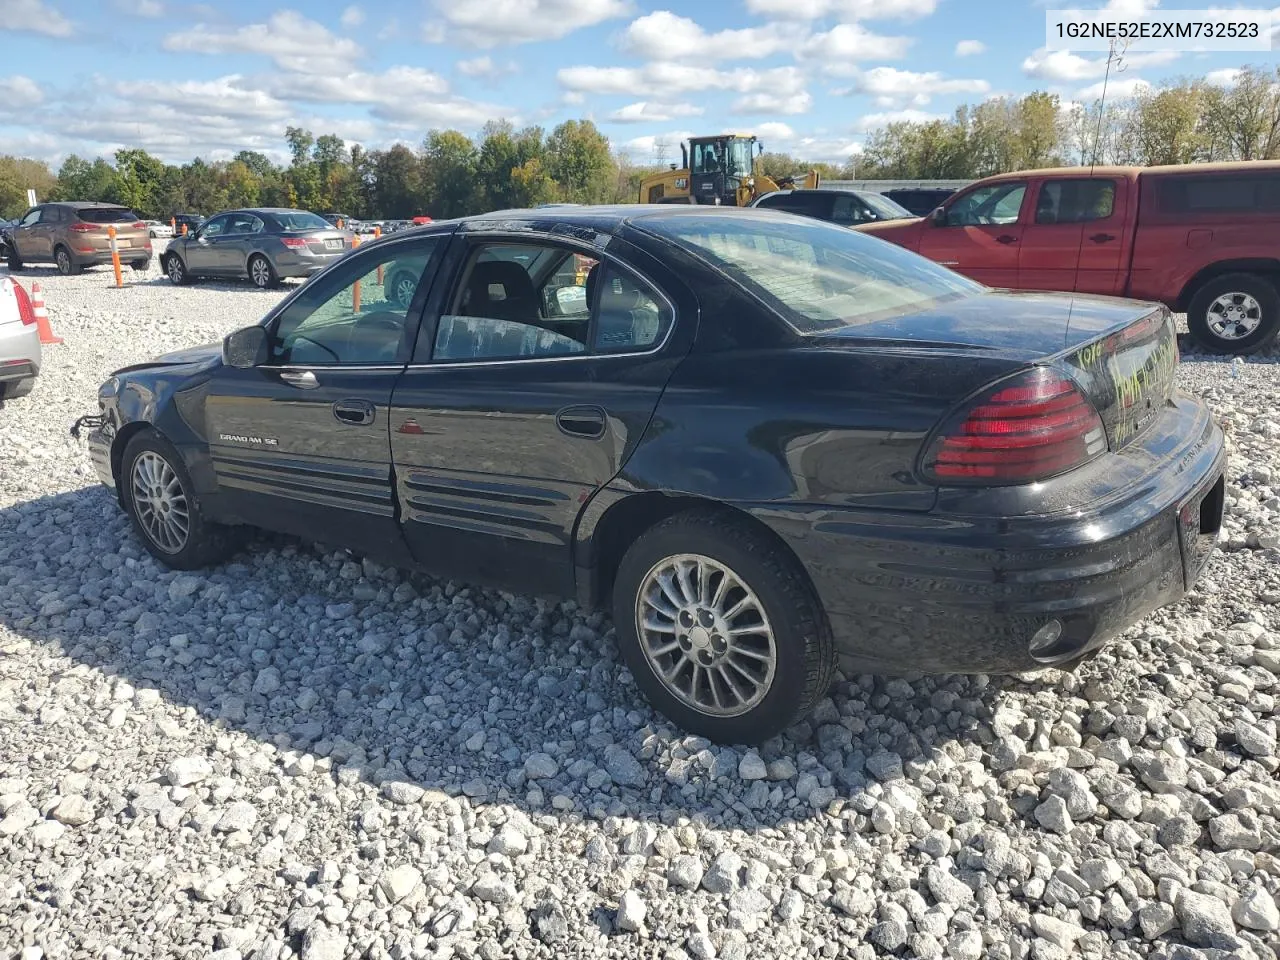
<point>919,200</point>
<point>159,230</point>
<point>334,219</point>
<point>263,244</point>
<point>75,235</point>
<point>20,351</point>
<point>192,221</point>
<point>844,207</point>
<point>1200,238</point>
<point>769,444</point>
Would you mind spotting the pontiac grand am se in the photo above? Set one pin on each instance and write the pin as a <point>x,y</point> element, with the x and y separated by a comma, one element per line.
<point>772,445</point>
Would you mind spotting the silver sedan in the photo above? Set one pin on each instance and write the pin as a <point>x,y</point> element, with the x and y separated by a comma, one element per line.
<point>20,351</point>
<point>263,244</point>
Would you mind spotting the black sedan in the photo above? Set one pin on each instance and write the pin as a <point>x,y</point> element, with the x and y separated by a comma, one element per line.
<point>771,445</point>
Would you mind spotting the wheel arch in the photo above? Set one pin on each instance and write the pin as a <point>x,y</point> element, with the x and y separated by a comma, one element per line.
<point>1268,267</point>
<point>607,530</point>
<point>125,434</point>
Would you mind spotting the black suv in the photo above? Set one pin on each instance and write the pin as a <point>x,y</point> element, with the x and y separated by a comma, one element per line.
<point>848,208</point>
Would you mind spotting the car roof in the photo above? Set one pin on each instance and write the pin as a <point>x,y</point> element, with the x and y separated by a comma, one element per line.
<point>1235,166</point>
<point>85,203</point>
<point>604,217</point>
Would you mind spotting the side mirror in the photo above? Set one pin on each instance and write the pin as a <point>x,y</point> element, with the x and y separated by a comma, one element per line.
<point>245,348</point>
<point>939,216</point>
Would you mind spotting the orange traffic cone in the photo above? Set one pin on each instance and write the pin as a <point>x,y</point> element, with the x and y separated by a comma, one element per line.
<point>42,316</point>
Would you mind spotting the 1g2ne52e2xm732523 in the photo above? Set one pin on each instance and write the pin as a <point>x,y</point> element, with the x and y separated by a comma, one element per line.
<point>767,443</point>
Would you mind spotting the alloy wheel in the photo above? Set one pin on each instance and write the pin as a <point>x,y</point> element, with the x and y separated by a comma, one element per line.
<point>1233,316</point>
<point>160,502</point>
<point>64,262</point>
<point>175,269</point>
<point>260,272</point>
<point>706,635</point>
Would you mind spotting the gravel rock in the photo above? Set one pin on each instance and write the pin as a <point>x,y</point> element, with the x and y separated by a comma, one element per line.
<point>398,883</point>
<point>185,771</point>
<point>631,912</point>
<point>685,872</point>
<point>1205,920</point>
<point>723,876</point>
<point>540,766</point>
<point>751,767</point>
<point>1256,910</point>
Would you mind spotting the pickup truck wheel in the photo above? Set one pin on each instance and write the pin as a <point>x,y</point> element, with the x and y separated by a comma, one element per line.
<point>1235,313</point>
<point>720,628</point>
<point>161,500</point>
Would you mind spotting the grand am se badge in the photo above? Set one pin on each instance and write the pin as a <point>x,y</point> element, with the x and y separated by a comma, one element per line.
<point>258,441</point>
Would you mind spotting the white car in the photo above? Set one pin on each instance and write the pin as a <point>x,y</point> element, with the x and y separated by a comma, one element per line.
<point>20,351</point>
<point>159,230</point>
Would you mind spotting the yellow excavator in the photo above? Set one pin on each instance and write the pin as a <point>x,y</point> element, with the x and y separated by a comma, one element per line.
<point>722,170</point>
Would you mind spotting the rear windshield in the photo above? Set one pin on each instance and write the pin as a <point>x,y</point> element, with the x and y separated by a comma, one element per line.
<point>301,220</point>
<point>106,215</point>
<point>818,276</point>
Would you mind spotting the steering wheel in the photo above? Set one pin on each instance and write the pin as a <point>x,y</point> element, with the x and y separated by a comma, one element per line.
<point>368,326</point>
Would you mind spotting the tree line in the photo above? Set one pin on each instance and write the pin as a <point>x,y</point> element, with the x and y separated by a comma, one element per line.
<point>1191,120</point>
<point>451,174</point>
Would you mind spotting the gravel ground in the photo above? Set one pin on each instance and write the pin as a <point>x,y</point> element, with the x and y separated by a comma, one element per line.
<point>300,755</point>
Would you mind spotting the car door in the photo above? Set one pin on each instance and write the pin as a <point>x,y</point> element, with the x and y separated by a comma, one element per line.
<point>527,393</point>
<point>202,251</point>
<point>980,233</point>
<point>1076,238</point>
<point>26,235</point>
<point>231,246</point>
<point>300,443</point>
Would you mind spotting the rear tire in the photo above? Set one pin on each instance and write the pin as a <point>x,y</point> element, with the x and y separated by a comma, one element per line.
<point>1235,313</point>
<point>160,499</point>
<point>701,643</point>
<point>139,265</point>
<point>67,265</point>
<point>261,272</point>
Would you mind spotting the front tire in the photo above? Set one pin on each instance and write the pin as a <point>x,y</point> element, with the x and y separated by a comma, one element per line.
<point>1235,313</point>
<point>67,265</point>
<point>401,286</point>
<point>162,504</point>
<point>261,272</point>
<point>720,628</point>
<point>176,270</point>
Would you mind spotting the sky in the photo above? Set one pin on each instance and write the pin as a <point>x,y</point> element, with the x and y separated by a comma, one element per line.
<point>809,77</point>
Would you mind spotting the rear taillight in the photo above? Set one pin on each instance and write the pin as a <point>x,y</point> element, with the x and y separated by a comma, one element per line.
<point>1032,427</point>
<point>26,312</point>
<point>138,225</point>
<point>293,243</point>
<point>84,227</point>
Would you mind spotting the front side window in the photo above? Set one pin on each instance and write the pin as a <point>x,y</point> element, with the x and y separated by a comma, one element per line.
<point>1075,201</point>
<point>32,218</point>
<point>849,210</point>
<point>525,301</point>
<point>215,227</point>
<point>818,276</point>
<point>994,204</point>
<point>355,313</point>
<point>708,157</point>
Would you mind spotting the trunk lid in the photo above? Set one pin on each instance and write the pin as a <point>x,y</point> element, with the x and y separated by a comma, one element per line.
<point>323,242</point>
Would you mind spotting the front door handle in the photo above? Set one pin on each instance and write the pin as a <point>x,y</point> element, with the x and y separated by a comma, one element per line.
<point>304,379</point>
<point>1006,238</point>
<point>1102,238</point>
<point>357,413</point>
<point>582,421</point>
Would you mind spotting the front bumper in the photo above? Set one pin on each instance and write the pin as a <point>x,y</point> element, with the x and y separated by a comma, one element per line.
<point>952,593</point>
<point>100,437</point>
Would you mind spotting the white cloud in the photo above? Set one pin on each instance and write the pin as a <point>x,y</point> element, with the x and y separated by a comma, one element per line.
<point>290,39</point>
<point>767,103</point>
<point>226,97</point>
<point>353,16</point>
<point>774,131</point>
<point>824,149</point>
<point>678,79</point>
<point>33,16</point>
<point>18,93</point>
<point>1063,66</point>
<point>644,111</point>
<point>970,48</point>
<point>409,83</point>
<point>873,120</point>
<point>141,8</point>
<point>1226,77</point>
<point>486,67</point>
<point>495,23</point>
<point>1117,88</point>
<point>848,42</point>
<point>844,9</point>
<point>658,147</point>
<point>662,35</point>
<point>895,88</point>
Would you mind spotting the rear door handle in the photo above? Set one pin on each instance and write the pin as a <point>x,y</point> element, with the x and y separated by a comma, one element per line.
<point>304,379</point>
<point>1102,238</point>
<point>354,412</point>
<point>582,421</point>
<point>1006,238</point>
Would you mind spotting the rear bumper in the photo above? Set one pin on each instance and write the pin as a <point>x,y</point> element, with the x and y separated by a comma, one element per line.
<point>20,353</point>
<point>101,257</point>
<point>951,593</point>
<point>303,265</point>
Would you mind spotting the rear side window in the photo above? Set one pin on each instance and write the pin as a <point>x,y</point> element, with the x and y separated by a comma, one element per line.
<point>1219,194</point>
<point>803,204</point>
<point>106,215</point>
<point>1075,201</point>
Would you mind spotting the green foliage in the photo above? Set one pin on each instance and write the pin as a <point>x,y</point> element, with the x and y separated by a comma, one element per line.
<point>17,176</point>
<point>579,162</point>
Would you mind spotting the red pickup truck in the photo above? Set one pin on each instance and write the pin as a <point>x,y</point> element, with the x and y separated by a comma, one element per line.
<point>1202,238</point>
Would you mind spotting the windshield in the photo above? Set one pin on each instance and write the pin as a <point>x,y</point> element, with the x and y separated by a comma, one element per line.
<point>739,157</point>
<point>818,276</point>
<point>106,215</point>
<point>301,220</point>
<point>885,208</point>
